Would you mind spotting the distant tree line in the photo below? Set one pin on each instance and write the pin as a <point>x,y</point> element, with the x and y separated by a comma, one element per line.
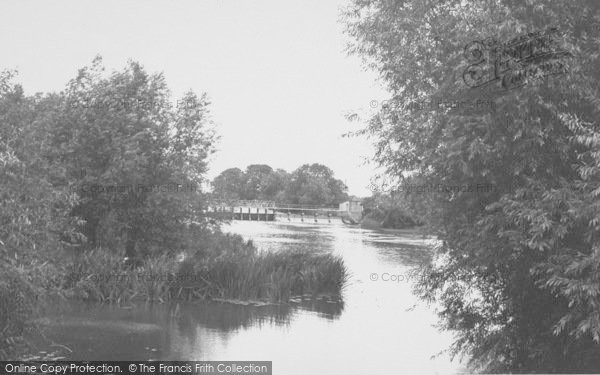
<point>310,184</point>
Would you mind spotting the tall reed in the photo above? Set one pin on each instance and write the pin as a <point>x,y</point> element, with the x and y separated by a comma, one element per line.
<point>220,266</point>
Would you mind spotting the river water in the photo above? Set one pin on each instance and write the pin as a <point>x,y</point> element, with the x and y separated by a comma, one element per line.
<point>380,328</point>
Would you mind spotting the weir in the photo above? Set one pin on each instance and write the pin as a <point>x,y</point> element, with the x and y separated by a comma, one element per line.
<point>270,211</point>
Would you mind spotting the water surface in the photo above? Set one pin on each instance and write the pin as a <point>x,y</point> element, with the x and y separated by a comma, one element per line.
<point>376,330</point>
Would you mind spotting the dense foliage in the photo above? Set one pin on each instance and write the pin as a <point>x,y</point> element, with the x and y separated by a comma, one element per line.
<point>93,166</point>
<point>517,274</point>
<point>386,211</point>
<point>134,160</point>
<point>33,208</point>
<point>310,184</point>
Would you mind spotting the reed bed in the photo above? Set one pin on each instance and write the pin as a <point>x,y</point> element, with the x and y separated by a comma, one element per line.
<point>221,267</point>
<point>273,277</point>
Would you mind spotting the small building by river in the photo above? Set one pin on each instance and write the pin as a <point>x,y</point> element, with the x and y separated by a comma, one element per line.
<point>352,208</point>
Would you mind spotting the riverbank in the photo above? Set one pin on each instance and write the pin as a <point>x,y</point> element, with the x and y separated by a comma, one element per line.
<point>221,267</point>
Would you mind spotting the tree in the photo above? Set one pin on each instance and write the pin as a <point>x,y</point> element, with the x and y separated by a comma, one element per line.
<point>34,208</point>
<point>256,181</point>
<point>314,184</point>
<point>518,270</point>
<point>230,184</point>
<point>276,185</point>
<point>387,211</point>
<point>136,162</point>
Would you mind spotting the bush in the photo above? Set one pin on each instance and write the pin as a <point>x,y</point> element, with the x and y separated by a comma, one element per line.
<point>385,211</point>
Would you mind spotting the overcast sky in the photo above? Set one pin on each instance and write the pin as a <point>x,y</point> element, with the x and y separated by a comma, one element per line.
<point>276,71</point>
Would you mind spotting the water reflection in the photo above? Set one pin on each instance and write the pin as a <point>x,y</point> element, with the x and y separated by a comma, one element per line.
<point>152,331</point>
<point>375,331</point>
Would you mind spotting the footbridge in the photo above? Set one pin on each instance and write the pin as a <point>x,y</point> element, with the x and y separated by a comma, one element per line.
<point>255,210</point>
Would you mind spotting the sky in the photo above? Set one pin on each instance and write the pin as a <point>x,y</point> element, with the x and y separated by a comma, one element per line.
<point>276,71</point>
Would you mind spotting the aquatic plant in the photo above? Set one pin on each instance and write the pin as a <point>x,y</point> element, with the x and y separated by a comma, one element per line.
<point>222,266</point>
<point>274,277</point>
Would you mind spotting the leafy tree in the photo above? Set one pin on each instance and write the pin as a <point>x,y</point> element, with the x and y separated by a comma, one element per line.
<point>275,184</point>
<point>314,184</point>
<point>256,181</point>
<point>34,209</point>
<point>230,184</point>
<point>387,211</point>
<point>517,275</point>
<point>136,162</point>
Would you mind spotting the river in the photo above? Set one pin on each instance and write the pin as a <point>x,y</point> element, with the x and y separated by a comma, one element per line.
<point>380,328</point>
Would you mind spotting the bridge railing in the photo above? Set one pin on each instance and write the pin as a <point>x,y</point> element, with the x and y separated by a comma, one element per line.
<point>297,210</point>
<point>306,206</point>
<point>241,203</point>
<point>269,204</point>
